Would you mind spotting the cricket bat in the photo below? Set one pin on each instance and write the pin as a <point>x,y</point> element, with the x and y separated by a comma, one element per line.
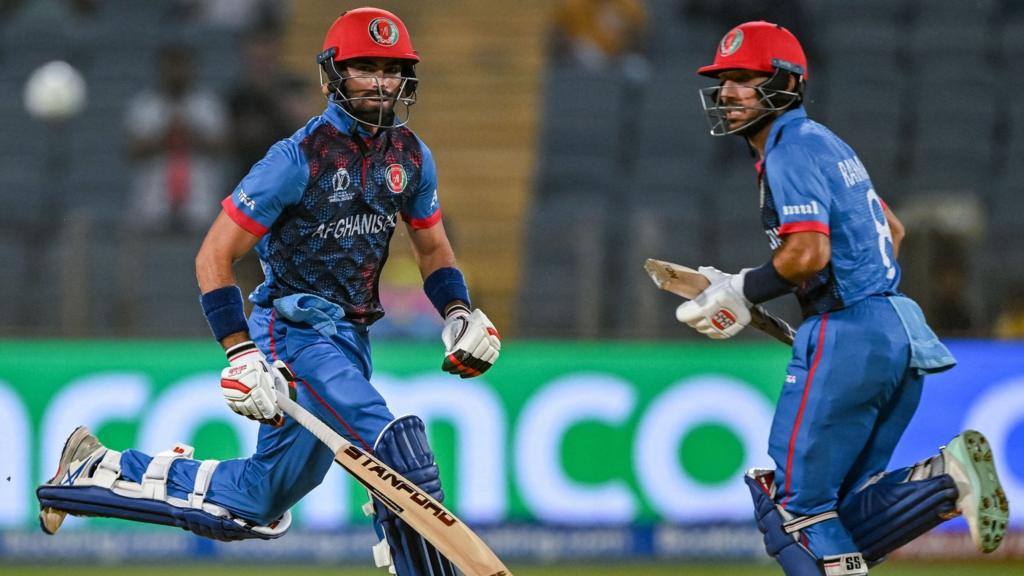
<point>422,512</point>
<point>688,283</point>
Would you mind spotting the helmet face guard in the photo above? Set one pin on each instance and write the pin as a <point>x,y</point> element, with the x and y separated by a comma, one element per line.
<point>761,47</point>
<point>394,107</point>
<point>370,33</point>
<point>772,99</point>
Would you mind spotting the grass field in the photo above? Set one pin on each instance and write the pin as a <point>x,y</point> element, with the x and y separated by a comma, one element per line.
<point>980,568</point>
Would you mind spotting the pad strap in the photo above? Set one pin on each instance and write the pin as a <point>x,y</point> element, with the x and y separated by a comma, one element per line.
<point>800,522</point>
<point>108,471</point>
<point>203,477</point>
<point>154,481</point>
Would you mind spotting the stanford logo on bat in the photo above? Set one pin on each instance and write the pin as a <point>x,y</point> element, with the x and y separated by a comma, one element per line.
<point>384,32</point>
<point>396,178</point>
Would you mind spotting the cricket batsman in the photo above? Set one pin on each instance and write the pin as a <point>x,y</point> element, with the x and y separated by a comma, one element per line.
<point>320,210</point>
<point>862,352</point>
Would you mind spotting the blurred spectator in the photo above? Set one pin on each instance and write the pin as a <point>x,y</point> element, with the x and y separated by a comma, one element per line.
<point>599,34</point>
<point>1010,321</point>
<point>175,134</point>
<point>234,14</point>
<point>55,29</point>
<point>8,8</point>
<point>259,102</point>
<point>949,314</point>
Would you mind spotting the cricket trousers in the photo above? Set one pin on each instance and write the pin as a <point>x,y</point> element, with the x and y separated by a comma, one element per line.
<point>849,395</point>
<point>333,372</point>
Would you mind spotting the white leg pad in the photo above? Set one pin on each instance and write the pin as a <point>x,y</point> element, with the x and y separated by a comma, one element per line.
<point>202,484</point>
<point>382,556</point>
<point>154,481</point>
<point>108,470</point>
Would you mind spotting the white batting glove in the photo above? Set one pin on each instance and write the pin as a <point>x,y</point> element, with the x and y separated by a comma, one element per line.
<point>471,342</point>
<point>250,384</point>
<point>721,310</point>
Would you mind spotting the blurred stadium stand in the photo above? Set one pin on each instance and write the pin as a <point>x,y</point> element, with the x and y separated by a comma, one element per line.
<point>556,181</point>
<point>919,89</point>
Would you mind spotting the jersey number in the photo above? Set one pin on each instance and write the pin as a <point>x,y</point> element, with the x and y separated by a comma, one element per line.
<point>884,234</point>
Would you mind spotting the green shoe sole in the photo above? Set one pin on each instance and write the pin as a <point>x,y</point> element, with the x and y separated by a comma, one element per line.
<point>982,500</point>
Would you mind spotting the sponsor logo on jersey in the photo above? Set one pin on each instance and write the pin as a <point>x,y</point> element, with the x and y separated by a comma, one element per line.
<point>396,178</point>
<point>795,209</point>
<point>340,181</point>
<point>731,42</point>
<point>356,224</point>
<point>853,171</point>
<point>383,31</point>
<point>790,379</point>
<point>245,200</point>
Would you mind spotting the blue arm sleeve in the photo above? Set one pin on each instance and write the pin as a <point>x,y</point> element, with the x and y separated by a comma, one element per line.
<point>423,209</point>
<point>800,190</point>
<point>273,183</point>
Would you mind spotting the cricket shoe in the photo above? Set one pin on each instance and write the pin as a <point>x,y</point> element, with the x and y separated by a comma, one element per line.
<point>981,500</point>
<point>82,451</point>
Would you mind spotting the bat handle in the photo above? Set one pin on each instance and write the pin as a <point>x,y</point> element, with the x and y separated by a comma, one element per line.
<point>775,327</point>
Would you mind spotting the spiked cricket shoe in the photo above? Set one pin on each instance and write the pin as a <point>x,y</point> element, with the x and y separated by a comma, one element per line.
<point>81,451</point>
<point>981,500</point>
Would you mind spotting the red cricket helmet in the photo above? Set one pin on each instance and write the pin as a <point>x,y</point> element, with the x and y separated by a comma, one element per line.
<point>760,46</point>
<point>368,33</point>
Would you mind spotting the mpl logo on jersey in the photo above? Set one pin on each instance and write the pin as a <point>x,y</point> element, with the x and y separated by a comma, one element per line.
<point>384,32</point>
<point>396,178</point>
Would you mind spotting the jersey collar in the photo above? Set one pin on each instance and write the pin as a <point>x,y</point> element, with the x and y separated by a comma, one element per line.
<point>789,117</point>
<point>342,121</point>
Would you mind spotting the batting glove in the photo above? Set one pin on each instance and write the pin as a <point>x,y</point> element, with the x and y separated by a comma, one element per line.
<point>249,384</point>
<point>471,342</point>
<point>721,310</point>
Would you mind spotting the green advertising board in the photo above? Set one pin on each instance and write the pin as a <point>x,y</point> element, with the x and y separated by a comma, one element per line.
<point>578,433</point>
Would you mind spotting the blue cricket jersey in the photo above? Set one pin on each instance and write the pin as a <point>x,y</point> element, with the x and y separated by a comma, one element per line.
<point>813,181</point>
<point>325,202</point>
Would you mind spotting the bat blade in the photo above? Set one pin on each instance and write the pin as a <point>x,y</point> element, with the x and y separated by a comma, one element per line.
<point>688,283</point>
<point>452,538</point>
<point>675,278</point>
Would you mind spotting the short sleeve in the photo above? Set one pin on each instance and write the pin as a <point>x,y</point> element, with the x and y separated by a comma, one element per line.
<point>799,189</point>
<point>273,183</point>
<point>423,209</point>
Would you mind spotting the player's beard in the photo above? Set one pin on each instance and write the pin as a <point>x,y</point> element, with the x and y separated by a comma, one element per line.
<point>369,111</point>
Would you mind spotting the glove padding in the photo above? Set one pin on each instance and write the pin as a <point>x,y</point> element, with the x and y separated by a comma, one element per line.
<point>250,384</point>
<point>471,342</point>
<point>721,310</point>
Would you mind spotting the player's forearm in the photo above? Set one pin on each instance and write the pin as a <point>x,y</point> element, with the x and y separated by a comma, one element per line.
<point>213,269</point>
<point>432,262</point>
<point>802,255</point>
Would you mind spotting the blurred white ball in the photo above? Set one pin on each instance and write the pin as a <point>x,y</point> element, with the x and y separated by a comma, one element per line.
<point>55,91</point>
